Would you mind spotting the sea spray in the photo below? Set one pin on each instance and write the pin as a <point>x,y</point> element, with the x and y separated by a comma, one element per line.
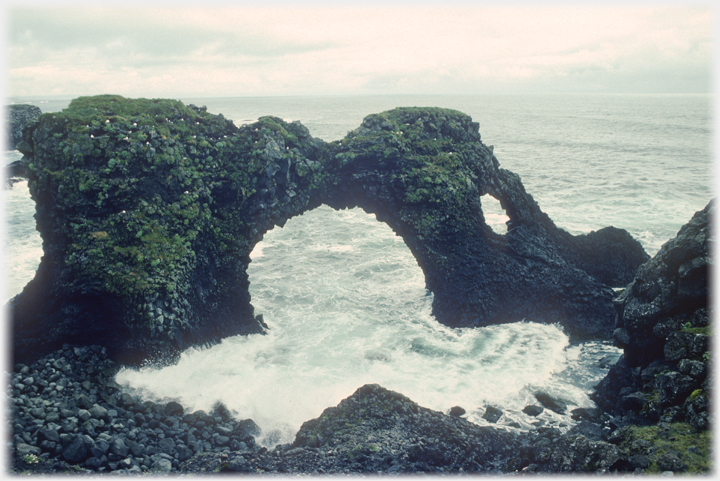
<point>23,245</point>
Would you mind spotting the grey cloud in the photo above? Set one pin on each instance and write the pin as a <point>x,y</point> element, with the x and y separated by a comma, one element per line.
<point>130,37</point>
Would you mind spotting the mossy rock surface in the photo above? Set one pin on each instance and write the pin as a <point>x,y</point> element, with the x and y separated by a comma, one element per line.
<point>666,442</point>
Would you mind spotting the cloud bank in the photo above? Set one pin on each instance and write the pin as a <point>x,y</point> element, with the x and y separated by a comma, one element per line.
<point>286,50</point>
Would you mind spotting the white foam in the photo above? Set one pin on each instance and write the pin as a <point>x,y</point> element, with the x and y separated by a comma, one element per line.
<point>341,318</point>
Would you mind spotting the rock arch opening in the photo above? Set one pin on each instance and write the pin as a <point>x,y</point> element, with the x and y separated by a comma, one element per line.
<point>495,216</point>
<point>342,265</point>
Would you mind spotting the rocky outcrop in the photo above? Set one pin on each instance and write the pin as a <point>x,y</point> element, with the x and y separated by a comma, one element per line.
<point>423,171</point>
<point>19,116</point>
<point>663,326</point>
<point>149,209</point>
<point>385,427</point>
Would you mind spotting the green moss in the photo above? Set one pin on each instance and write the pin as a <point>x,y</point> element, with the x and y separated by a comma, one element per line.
<point>162,115</point>
<point>696,330</point>
<point>679,438</point>
<point>696,394</point>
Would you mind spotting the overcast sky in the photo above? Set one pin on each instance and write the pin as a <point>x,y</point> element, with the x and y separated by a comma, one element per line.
<point>438,48</point>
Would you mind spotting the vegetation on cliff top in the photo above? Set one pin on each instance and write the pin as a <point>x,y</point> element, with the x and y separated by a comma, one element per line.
<point>170,118</point>
<point>426,152</point>
<point>138,181</point>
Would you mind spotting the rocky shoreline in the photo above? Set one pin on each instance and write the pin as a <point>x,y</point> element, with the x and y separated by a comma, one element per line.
<point>68,415</point>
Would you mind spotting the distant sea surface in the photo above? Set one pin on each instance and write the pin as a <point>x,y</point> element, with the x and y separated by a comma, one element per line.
<point>345,299</point>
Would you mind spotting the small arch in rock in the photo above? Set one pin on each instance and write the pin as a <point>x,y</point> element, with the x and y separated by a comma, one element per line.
<point>495,216</point>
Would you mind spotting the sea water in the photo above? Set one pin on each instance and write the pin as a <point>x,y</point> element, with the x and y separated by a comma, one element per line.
<point>346,301</point>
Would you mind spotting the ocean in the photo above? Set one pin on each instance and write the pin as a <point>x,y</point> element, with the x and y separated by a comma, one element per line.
<point>346,301</point>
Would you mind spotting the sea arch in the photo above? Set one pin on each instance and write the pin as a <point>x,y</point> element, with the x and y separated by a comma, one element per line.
<point>149,210</point>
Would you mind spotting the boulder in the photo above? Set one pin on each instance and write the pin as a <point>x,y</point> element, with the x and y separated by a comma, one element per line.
<point>456,411</point>
<point>533,410</point>
<point>492,414</point>
<point>673,284</point>
<point>78,449</point>
<point>549,402</point>
<point>375,424</point>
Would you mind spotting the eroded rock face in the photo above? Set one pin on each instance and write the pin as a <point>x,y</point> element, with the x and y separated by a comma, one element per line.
<point>422,171</point>
<point>674,283</point>
<point>375,423</point>
<point>149,209</point>
<point>663,325</point>
<point>19,115</point>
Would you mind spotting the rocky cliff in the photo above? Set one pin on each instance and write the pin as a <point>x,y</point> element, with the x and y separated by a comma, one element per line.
<point>19,115</point>
<point>149,209</point>
<point>664,325</point>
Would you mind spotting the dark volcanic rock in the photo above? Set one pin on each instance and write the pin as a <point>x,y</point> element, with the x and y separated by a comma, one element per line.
<point>551,403</point>
<point>51,429</point>
<point>533,410</point>
<point>422,171</point>
<point>372,431</point>
<point>671,286</point>
<point>149,209</point>
<point>456,411</point>
<point>375,423</point>
<point>663,326</point>
<point>19,116</point>
<point>492,414</point>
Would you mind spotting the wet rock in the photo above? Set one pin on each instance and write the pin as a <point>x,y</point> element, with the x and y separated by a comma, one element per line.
<point>456,411</point>
<point>375,422</point>
<point>585,413</point>
<point>551,403</point>
<point>533,410</point>
<point>114,440</point>
<point>492,414</point>
<point>248,427</point>
<point>173,407</point>
<point>664,330</point>
<point>655,296</point>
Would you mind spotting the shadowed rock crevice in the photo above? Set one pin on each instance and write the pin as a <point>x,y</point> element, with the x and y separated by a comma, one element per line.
<point>153,207</point>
